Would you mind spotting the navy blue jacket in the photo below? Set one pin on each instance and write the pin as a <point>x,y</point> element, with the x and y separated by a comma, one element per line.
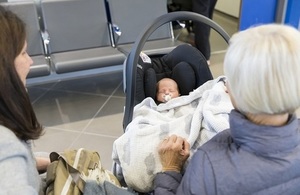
<point>246,159</point>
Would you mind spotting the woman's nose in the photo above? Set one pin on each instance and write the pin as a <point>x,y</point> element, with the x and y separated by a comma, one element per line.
<point>30,61</point>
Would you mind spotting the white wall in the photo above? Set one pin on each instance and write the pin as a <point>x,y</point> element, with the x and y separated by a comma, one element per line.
<point>230,7</point>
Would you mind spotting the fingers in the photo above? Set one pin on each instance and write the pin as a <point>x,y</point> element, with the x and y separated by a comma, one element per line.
<point>185,145</point>
<point>186,148</point>
<point>173,138</point>
<point>173,152</point>
<point>175,142</point>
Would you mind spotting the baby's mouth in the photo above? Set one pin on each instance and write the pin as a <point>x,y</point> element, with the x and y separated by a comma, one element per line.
<point>167,97</point>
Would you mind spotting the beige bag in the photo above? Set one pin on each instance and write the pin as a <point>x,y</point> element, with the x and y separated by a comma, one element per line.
<point>69,171</point>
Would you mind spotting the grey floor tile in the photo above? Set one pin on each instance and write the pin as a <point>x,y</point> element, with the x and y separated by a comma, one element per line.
<point>216,62</point>
<point>36,93</point>
<point>119,92</point>
<point>60,108</point>
<point>109,120</point>
<point>55,140</point>
<point>217,42</point>
<point>229,24</point>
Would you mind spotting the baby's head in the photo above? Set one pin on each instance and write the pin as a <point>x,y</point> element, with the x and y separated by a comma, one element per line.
<point>166,89</point>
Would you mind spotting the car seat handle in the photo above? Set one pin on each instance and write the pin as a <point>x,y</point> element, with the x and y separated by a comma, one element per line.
<point>131,63</point>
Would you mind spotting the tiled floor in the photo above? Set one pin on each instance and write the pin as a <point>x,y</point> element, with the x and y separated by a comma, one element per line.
<point>80,113</point>
<point>88,112</point>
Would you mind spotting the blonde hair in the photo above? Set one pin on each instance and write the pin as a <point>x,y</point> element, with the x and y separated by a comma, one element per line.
<point>262,65</point>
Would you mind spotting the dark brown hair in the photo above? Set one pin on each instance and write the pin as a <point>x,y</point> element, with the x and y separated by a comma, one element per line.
<point>16,111</point>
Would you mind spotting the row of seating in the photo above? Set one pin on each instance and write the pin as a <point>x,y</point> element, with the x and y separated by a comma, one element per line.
<point>78,37</point>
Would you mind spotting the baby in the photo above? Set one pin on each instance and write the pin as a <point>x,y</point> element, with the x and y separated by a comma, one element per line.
<point>166,89</point>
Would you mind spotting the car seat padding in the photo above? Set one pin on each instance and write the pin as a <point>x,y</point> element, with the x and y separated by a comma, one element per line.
<point>185,64</point>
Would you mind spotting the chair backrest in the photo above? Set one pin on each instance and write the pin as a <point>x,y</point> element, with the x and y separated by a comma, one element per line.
<point>26,10</point>
<point>132,16</point>
<point>75,24</point>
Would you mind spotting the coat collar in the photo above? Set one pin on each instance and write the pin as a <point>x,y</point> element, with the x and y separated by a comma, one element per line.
<point>264,139</point>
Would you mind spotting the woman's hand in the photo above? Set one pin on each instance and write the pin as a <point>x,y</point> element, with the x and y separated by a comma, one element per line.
<point>173,152</point>
<point>42,163</point>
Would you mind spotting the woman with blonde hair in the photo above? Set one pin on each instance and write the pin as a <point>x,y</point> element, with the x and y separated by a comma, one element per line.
<point>260,152</point>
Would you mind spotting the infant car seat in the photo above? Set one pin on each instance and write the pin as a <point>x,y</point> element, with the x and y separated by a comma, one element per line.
<point>141,72</point>
<point>130,66</point>
<point>185,64</point>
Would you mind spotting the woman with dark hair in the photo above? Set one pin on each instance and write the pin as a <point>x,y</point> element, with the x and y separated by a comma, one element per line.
<point>18,123</point>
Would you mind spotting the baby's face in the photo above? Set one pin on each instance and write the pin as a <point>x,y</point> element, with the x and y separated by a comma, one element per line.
<point>167,89</point>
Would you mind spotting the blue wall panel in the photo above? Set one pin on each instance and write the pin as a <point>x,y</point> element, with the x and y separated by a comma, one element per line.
<point>293,13</point>
<point>255,12</point>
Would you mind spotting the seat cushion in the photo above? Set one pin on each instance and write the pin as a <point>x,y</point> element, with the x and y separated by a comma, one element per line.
<point>86,59</point>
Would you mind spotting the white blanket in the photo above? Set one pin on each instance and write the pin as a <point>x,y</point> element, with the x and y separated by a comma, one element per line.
<point>197,117</point>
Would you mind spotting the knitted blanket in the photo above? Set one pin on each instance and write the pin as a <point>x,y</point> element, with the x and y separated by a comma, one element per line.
<point>197,117</point>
